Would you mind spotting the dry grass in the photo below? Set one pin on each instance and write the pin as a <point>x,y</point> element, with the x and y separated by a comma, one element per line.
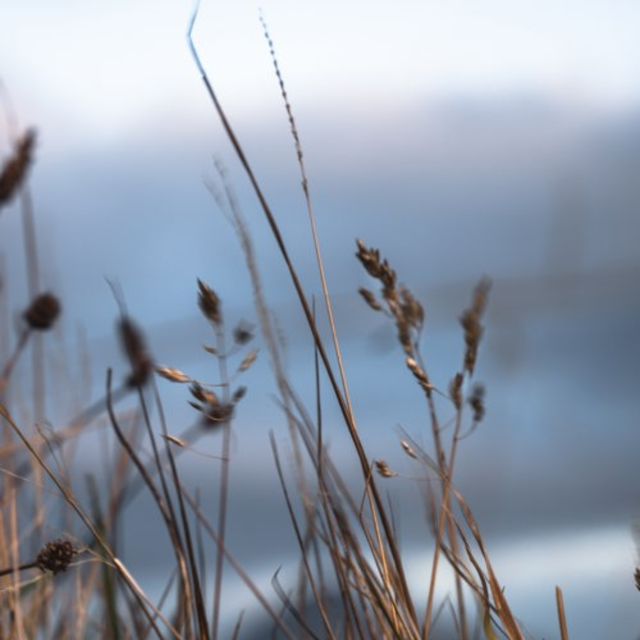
<point>347,540</point>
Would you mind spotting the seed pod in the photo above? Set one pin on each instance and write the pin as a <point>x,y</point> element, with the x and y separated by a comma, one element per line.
<point>135,348</point>
<point>43,312</point>
<point>56,556</point>
<point>15,169</point>
<point>209,303</point>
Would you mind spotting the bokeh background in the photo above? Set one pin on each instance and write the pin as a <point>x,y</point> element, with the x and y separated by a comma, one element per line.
<point>463,139</point>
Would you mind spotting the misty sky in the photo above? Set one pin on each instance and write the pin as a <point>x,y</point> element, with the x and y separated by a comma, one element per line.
<point>462,138</point>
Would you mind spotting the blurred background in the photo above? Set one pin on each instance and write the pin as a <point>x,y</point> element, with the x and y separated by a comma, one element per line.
<point>462,139</point>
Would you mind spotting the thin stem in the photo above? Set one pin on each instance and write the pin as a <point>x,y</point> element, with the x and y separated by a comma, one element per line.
<point>224,479</point>
<point>13,359</point>
<point>86,520</point>
<point>22,567</point>
<point>344,408</point>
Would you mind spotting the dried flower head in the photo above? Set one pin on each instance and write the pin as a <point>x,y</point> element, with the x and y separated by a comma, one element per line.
<point>408,449</point>
<point>15,169</point>
<point>401,304</point>
<point>455,390</point>
<point>56,555</point>
<point>420,375</point>
<point>248,360</point>
<point>476,401</point>
<point>370,299</point>
<point>470,321</point>
<point>174,440</point>
<point>376,268</point>
<point>636,575</point>
<point>42,312</point>
<point>238,394</point>
<point>411,309</point>
<point>383,469</point>
<point>173,375</point>
<point>209,303</point>
<point>243,333</point>
<point>135,349</point>
<point>213,410</point>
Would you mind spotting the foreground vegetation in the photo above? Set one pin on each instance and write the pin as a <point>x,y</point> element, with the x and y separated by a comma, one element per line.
<point>347,537</point>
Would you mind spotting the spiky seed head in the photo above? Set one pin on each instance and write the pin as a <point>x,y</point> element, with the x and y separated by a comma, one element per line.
<point>56,555</point>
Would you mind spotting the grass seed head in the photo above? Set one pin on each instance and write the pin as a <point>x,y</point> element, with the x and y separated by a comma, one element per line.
<point>173,375</point>
<point>243,333</point>
<point>470,321</point>
<point>135,348</point>
<point>214,411</point>
<point>56,555</point>
<point>42,312</point>
<point>383,469</point>
<point>376,268</point>
<point>455,390</point>
<point>238,394</point>
<point>408,450</point>
<point>370,299</point>
<point>419,374</point>
<point>15,169</point>
<point>209,303</point>
<point>412,310</point>
<point>476,401</point>
<point>248,360</point>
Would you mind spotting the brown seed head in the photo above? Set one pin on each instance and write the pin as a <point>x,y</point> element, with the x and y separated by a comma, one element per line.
<point>383,469</point>
<point>370,299</point>
<point>15,169</point>
<point>243,333</point>
<point>213,410</point>
<point>43,312</point>
<point>135,348</point>
<point>248,360</point>
<point>238,394</point>
<point>470,321</point>
<point>408,450</point>
<point>476,401</point>
<point>455,391</point>
<point>376,268</point>
<point>412,310</point>
<point>420,375</point>
<point>56,556</point>
<point>173,375</point>
<point>209,303</point>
